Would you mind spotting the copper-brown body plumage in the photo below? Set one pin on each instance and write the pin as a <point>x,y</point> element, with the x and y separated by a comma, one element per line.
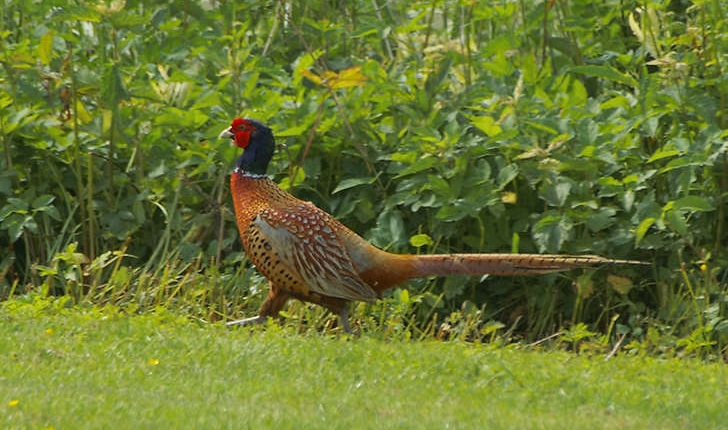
<point>306,254</point>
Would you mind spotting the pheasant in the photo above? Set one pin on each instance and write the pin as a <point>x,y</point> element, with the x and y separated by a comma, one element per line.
<point>308,255</point>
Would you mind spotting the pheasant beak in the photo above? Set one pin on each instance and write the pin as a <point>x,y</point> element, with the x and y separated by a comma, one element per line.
<point>226,134</point>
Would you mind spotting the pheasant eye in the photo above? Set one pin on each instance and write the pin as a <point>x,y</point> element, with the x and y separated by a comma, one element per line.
<point>237,122</point>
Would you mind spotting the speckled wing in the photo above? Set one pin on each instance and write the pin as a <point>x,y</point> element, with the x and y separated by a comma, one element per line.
<point>305,242</point>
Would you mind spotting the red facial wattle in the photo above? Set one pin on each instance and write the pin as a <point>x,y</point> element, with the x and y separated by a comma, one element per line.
<point>240,130</point>
<point>242,137</point>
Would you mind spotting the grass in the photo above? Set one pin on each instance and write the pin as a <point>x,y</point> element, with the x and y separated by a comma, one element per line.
<point>88,367</point>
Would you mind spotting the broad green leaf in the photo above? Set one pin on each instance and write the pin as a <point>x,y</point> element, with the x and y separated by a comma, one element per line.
<point>450,213</point>
<point>45,47</point>
<point>404,296</point>
<point>70,255</point>
<point>506,175</point>
<point>491,327</point>
<point>722,327</point>
<point>677,163</point>
<point>6,187</point>
<point>175,117</point>
<point>614,102</point>
<point>113,89</point>
<point>294,130</point>
<point>663,153</point>
<point>5,100</point>
<point>351,77</point>
<point>78,13</point>
<point>609,181</point>
<point>83,115</point>
<point>158,171</point>
<point>541,126</point>
<point>642,229</point>
<point>311,76</point>
<point>45,271</point>
<point>628,200</point>
<point>126,20</point>
<point>440,186</point>
<point>418,166</point>
<point>693,203</point>
<point>421,239</point>
<point>17,119</point>
<point>677,222</point>
<point>577,92</point>
<point>621,284</point>
<point>486,124</point>
<point>587,131</point>
<point>300,176</point>
<point>43,201</point>
<point>396,225</point>
<point>555,194</point>
<point>434,80</point>
<point>207,101</point>
<point>16,204</point>
<point>14,226</point>
<point>453,286</point>
<point>351,183</point>
<point>6,211</point>
<point>551,231</point>
<point>404,157</point>
<point>585,285</point>
<point>302,66</point>
<point>16,223</point>
<point>605,72</point>
<point>601,220</point>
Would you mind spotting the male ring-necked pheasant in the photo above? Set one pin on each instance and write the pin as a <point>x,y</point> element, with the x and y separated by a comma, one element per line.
<point>308,255</point>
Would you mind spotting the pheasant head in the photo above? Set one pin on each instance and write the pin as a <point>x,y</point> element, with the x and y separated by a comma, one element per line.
<point>257,142</point>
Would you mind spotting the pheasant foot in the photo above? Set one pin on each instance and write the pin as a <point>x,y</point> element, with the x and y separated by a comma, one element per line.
<point>247,321</point>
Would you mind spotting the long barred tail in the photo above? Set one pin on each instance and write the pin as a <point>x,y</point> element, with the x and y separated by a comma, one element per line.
<point>506,264</point>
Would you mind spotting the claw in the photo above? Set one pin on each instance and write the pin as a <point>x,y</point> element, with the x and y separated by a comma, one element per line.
<point>247,321</point>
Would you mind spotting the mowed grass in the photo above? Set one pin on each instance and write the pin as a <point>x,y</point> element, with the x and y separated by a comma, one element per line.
<point>94,368</point>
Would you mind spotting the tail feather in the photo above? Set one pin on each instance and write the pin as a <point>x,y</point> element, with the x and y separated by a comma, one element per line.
<point>506,264</point>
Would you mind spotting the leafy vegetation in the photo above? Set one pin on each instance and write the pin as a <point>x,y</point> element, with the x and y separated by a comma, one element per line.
<point>442,126</point>
<point>98,368</point>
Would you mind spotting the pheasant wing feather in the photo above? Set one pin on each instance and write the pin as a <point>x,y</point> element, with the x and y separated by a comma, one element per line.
<point>307,245</point>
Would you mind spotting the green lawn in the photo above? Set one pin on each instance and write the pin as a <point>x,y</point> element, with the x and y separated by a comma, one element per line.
<point>88,368</point>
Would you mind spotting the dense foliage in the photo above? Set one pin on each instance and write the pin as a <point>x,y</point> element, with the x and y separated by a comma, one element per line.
<point>441,126</point>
